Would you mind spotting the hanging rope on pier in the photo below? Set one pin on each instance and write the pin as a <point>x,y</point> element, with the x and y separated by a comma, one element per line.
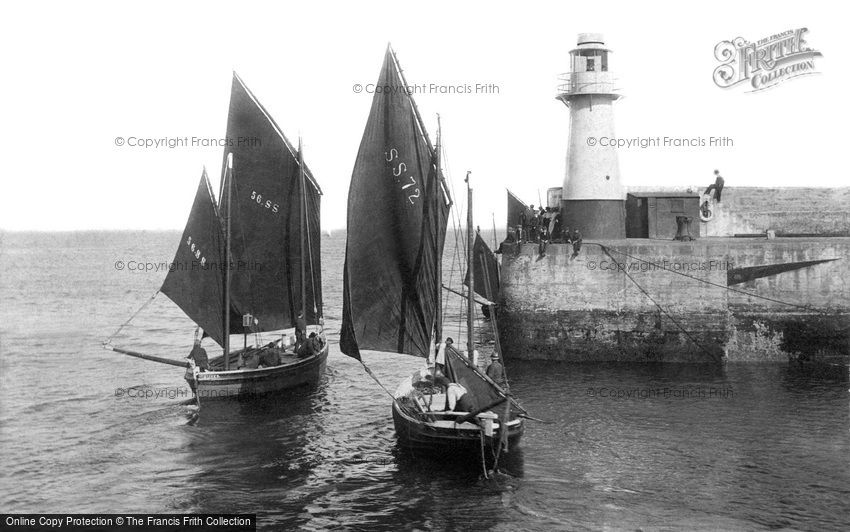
<point>691,338</point>
<point>118,331</point>
<point>807,308</point>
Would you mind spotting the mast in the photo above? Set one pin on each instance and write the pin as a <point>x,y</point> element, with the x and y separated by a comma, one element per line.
<point>438,285</point>
<point>470,267</point>
<point>302,216</point>
<point>226,346</point>
<point>419,120</point>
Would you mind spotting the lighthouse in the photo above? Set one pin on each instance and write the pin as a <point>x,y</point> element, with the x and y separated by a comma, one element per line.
<point>592,197</point>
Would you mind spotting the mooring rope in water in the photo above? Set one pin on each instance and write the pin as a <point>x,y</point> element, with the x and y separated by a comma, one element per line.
<point>503,436</point>
<point>117,331</point>
<point>197,389</point>
<point>691,338</point>
<point>706,281</point>
<point>483,457</point>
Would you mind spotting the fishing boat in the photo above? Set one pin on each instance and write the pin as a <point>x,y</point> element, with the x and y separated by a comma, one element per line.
<point>398,209</point>
<point>249,264</point>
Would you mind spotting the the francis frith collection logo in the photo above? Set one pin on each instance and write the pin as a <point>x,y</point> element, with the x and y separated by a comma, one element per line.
<point>766,62</point>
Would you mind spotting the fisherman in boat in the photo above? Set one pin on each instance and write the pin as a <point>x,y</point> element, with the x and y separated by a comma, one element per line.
<point>199,355</point>
<point>495,370</point>
<point>300,331</point>
<point>440,361</point>
<point>420,379</point>
<point>270,357</point>
<point>250,359</point>
<point>457,398</point>
<point>311,346</point>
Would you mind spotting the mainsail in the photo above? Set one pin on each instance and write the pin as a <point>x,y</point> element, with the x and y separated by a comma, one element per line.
<point>486,270</point>
<point>397,216</point>
<point>195,280</point>
<point>266,205</point>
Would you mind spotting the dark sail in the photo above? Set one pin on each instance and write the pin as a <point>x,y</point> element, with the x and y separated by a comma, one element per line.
<point>460,370</point>
<point>486,285</point>
<point>515,208</point>
<point>397,215</point>
<point>195,280</point>
<point>266,204</point>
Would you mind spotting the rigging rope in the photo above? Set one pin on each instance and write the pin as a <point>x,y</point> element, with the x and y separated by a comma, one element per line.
<point>117,331</point>
<point>691,338</point>
<point>460,241</point>
<point>369,372</point>
<point>725,287</point>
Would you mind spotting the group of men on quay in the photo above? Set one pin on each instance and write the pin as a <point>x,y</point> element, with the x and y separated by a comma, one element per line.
<point>542,226</point>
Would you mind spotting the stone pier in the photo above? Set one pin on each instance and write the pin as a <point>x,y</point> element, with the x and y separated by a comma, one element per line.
<point>735,299</point>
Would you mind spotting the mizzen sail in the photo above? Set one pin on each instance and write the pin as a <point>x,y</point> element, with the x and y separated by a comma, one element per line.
<point>195,281</point>
<point>397,215</point>
<point>266,212</point>
<point>486,270</point>
<point>515,209</point>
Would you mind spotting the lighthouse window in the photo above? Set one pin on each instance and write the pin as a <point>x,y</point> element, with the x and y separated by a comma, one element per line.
<point>591,64</point>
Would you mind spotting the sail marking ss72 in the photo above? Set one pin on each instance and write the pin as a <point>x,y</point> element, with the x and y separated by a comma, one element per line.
<point>397,216</point>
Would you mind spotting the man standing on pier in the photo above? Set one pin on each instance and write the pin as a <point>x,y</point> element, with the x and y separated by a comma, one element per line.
<point>523,227</point>
<point>533,225</point>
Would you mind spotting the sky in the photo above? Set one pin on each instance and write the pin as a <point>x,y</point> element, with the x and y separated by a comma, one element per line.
<point>78,75</point>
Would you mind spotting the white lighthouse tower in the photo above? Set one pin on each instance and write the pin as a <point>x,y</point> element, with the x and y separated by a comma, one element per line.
<point>592,198</point>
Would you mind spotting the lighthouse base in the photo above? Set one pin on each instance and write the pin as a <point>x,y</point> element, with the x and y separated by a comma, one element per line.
<point>596,219</point>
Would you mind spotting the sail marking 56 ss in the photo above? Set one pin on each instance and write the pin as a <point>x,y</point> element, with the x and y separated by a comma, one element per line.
<point>268,203</point>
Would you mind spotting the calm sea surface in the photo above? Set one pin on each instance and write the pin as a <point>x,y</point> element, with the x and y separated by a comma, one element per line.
<point>741,448</point>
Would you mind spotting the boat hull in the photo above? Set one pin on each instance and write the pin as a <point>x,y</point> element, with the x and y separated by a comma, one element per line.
<point>303,374</point>
<point>429,437</point>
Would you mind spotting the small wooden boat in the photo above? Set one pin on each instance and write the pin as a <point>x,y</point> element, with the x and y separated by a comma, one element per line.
<point>441,433</point>
<point>292,373</point>
<point>398,209</point>
<point>249,264</point>
<point>424,424</point>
